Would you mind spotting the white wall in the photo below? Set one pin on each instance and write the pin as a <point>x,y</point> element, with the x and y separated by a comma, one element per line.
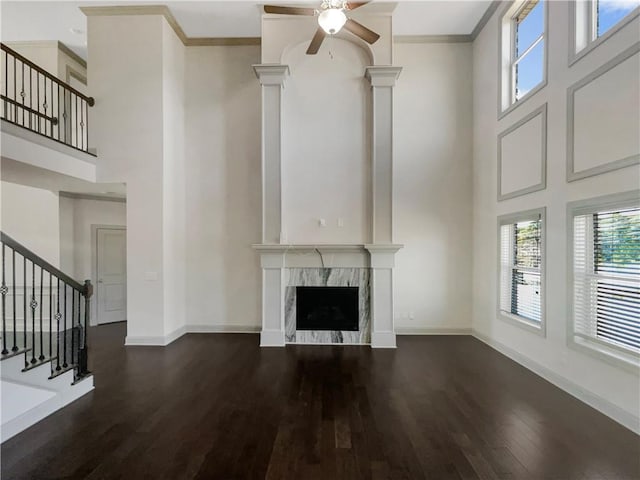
<point>223,196</point>
<point>325,145</point>
<point>30,216</point>
<point>615,391</point>
<point>432,186</point>
<point>125,77</point>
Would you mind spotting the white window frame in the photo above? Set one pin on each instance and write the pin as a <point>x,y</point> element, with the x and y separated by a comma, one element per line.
<point>536,327</point>
<point>583,35</point>
<point>508,59</point>
<point>609,353</point>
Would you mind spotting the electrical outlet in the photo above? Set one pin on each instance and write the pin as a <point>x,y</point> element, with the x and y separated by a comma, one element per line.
<point>411,316</point>
<point>340,222</point>
<point>322,222</point>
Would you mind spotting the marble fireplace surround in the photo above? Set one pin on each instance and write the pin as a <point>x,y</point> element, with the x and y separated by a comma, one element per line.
<point>368,266</point>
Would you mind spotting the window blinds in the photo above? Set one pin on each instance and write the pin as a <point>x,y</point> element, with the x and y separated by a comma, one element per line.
<point>606,257</point>
<point>520,278</point>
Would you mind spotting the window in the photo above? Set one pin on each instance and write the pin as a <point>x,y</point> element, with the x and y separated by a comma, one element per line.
<point>523,45</point>
<point>521,268</point>
<point>608,13</point>
<point>596,20</point>
<point>606,277</point>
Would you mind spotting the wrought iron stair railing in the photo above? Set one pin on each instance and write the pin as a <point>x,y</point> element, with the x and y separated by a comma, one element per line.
<point>45,312</point>
<point>33,98</point>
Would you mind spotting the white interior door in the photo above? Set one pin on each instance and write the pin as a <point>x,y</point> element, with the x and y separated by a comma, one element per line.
<point>112,275</point>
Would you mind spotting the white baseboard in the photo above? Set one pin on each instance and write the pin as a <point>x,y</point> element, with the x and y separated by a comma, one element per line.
<point>223,329</point>
<point>272,338</point>
<point>624,418</point>
<point>383,340</point>
<point>432,331</point>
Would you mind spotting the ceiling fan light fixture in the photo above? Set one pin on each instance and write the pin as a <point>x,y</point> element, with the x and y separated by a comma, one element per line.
<point>332,20</point>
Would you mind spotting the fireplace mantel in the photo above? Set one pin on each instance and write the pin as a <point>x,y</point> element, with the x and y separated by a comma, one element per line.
<point>326,255</point>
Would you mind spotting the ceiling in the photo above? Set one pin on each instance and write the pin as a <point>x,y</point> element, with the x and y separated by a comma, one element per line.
<point>53,20</point>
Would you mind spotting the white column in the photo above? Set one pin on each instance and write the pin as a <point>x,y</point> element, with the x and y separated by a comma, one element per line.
<point>272,78</point>
<point>382,262</point>
<point>382,81</point>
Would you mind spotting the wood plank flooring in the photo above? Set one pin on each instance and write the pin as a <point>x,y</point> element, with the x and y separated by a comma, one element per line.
<point>220,407</point>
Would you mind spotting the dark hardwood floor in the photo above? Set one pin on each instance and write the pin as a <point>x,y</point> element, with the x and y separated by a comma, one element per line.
<point>220,407</point>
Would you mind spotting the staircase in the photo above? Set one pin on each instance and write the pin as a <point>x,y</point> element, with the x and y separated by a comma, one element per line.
<point>43,361</point>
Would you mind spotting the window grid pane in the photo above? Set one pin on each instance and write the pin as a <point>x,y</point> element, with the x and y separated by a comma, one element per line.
<point>611,12</point>
<point>525,281</point>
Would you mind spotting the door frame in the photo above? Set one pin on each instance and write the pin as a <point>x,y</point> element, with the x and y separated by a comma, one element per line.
<point>94,266</point>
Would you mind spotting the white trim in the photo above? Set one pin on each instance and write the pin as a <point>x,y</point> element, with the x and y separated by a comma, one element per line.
<point>592,43</point>
<point>31,417</point>
<point>572,175</point>
<point>542,112</point>
<point>221,328</point>
<point>611,355</point>
<point>539,329</point>
<point>510,10</point>
<point>624,418</point>
<point>383,340</point>
<point>433,331</point>
<point>272,338</point>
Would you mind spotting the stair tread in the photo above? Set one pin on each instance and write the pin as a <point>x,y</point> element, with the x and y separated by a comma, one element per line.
<point>31,366</point>
<point>57,373</point>
<point>14,354</point>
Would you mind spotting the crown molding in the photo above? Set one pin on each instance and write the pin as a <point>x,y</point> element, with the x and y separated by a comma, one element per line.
<point>432,39</point>
<point>485,18</point>
<point>50,43</point>
<point>222,41</point>
<point>164,11</point>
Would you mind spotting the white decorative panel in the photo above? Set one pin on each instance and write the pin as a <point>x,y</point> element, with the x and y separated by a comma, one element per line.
<point>522,156</point>
<point>603,120</point>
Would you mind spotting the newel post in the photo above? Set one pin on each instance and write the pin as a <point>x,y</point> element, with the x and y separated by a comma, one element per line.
<point>83,368</point>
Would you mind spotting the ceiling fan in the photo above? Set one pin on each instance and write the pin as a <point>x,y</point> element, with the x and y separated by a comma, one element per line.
<point>331,19</point>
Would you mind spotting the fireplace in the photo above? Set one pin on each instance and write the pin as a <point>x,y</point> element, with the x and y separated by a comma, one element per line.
<point>327,308</point>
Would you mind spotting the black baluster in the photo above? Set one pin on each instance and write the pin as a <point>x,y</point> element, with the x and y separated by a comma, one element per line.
<point>45,105</point>
<point>6,84</point>
<point>30,97</point>
<point>75,123</point>
<point>24,304</point>
<point>58,367</point>
<point>41,357</point>
<point>13,287</point>
<point>38,99</point>
<point>22,92</point>
<point>3,291</point>
<point>50,315</point>
<point>64,113</point>
<point>73,317</point>
<point>15,106</point>
<point>33,306</point>
<point>64,364</point>
<point>82,124</point>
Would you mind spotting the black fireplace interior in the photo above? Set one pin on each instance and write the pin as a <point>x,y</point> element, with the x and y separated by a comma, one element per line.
<point>327,308</point>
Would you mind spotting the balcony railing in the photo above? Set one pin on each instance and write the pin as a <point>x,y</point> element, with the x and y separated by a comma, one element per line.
<point>35,99</point>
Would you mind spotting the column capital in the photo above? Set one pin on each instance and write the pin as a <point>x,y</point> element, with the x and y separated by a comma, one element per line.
<point>382,76</point>
<point>271,73</point>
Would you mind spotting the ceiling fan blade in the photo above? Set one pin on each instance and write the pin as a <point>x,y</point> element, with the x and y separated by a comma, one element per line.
<point>361,31</point>
<point>316,41</point>
<point>289,10</point>
<point>354,5</point>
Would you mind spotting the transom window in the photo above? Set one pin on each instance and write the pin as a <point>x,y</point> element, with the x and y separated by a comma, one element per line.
<point>606,277</point>
<point>521,268</point>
